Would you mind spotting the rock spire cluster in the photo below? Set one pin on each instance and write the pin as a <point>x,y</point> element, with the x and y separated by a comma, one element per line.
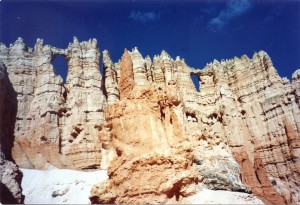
<point>144,117</point>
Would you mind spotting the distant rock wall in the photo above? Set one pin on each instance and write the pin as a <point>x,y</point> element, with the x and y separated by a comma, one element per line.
<point>242,127</point>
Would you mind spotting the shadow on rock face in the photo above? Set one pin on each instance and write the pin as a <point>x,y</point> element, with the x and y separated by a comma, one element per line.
<point>11,192</point>
<point>8,112</point>
<point>6,195</point>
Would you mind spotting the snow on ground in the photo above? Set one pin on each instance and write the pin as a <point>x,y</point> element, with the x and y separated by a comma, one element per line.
<point>59,186</point>
<point>62,186</point>
<point>207,196</point>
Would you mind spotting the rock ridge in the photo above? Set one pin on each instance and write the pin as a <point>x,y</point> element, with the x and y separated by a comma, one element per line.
<point>240,132</point>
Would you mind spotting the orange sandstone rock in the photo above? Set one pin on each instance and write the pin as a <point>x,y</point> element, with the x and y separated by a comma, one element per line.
<point>126,82</point>
<point>153,162</point>
<point>244,122</point>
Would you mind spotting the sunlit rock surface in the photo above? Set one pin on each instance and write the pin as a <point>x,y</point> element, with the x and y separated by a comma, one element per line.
<point>145,117</point>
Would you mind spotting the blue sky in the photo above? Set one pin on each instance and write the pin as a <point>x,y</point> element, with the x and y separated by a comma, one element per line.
<point>198,31</point>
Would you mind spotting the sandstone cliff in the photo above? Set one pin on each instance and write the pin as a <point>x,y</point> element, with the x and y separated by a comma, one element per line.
<point>55,121</point>
<point>146,118</point>
<point>154,160</point>
<point>243,122</point>
<point>260,119</point>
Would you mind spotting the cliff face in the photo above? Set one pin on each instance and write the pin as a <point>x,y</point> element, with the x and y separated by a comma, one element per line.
<point>259,114</point>
<point>55,122</point>
<point>146,118</point>
<point>153,159</point>
<point>10,175</point>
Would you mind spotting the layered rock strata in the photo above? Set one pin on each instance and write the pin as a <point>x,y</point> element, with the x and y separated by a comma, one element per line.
<point>110,80</point>
<point>258,114</point>
<point>153,160</point>
<point>243,122</point>
<point>84,105</point>
<point>239,133</point>
<point>55,122</point>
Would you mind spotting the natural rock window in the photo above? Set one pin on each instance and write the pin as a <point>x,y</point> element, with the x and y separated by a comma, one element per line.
<point>195,79</point>
<point>60,66</point>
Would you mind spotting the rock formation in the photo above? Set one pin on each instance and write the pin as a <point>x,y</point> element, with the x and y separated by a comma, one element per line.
<point>241,132</point>
<point>258,113</point>
<point>154,161</point>
<point>126,82</point>
<point>10,182</point>
<point>55,122</point>
<point>110,80</point>
<point>84,105</point>
<point>10,175</point>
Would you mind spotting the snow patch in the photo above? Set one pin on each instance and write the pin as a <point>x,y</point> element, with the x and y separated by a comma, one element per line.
<point>60,186</point>
<point>207,196</point>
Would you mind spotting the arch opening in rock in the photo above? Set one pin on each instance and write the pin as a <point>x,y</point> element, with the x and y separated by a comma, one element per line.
<point>60,66</point>
<point>196,81</point>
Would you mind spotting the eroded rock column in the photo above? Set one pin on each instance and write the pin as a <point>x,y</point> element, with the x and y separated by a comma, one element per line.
<point>126,82</point>
<point>84,105</point>
<point>153,159</point>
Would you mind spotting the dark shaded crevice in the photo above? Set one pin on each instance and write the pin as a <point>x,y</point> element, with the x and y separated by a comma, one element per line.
<point>175,191</point>
<point>6,195</point>
<point>8,116</point>
<point>243,112</point>
<point>162,114</point>
<point>257,177</point>
<point>65,94</point>
<point>103,82</point>
<point>60,143</point>
<point>192,115</point>
<point>8,113</point>
<point>119,152</point>
<point>91,168</point>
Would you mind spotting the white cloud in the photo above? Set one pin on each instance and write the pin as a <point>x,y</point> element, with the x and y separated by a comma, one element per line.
<point>233,9</point>
<point>144,17</point>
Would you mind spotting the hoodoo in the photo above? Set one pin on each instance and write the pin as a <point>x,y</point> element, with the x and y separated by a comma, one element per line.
<point>143,120</point>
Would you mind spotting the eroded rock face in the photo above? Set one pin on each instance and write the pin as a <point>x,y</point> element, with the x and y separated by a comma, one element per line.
<point>10,175</point>
<point>239,133</point>
<point>10,182</point>
<point>55,122</point>
<point>84,105</point>
<point>126,82</point>
<point>243,125</point>
<point>110,81</point>
<point>258,114</point>
<point>153,159</point>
